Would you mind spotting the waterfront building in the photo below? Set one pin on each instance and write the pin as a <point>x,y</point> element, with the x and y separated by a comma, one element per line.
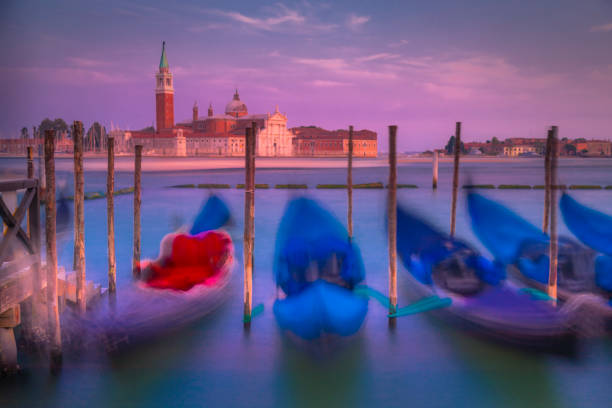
<point>594,148</point>
<point>224,134</point>
<point>515,151</point>
<point>312,141</point>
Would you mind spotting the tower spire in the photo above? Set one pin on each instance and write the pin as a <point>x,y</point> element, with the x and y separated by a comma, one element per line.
<point>163,62</point>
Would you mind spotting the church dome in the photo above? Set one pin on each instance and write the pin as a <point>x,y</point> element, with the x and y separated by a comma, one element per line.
<point>236,107</point>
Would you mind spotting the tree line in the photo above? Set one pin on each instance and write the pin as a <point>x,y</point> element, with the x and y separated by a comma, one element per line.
<point>94,139</point>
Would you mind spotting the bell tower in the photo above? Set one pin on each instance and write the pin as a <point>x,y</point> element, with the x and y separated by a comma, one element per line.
<point>195,111</point>
<point>164,94</point>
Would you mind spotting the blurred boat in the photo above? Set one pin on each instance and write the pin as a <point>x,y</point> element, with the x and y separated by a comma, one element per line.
<point>316,268</point>
<point>590,226</point>
<point>581,275</point>
<point>483,301</point>
<point>185,283</point>
<point>594,229</point>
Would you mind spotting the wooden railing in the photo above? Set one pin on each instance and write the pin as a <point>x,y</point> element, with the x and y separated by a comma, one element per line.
<point>20,279</point>
<point>30,205</point>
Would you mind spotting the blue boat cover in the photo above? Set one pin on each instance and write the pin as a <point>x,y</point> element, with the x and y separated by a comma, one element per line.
<point>321,308</point>
<point>421,247</point>
<point>502,231</point>
<point>603,272</point>
<point>317,268</point>
<point>590,226</point>
<point>213,215</point>
<point>310,236</point>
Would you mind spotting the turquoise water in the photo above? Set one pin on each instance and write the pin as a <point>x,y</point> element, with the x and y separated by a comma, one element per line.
<point>215,363</point>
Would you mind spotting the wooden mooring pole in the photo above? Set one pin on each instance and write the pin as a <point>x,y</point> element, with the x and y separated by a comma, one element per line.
<point>30,162</point>
<point>110,216</point>
<point>552,273</point>
<point>547,184</point>
<point>30,170</point>
<point>55,340</point>
<point>249,212</point>
<point>349,184</point>
<point>434,162</point>
<point>34,316</point>
<point>392,223</point>
<point>41,167</point>
<point>455,177</point>
<point>137,201</point>
<point>79,216</point>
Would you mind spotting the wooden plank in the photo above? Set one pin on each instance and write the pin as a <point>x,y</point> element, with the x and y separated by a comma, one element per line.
<point>10,267</point>
<point>11,317</point>
<point>16,287</point>
<point>14,225</point>
<point>17,184</point>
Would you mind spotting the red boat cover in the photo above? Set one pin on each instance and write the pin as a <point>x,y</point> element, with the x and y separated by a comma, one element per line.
<point>188,260</point>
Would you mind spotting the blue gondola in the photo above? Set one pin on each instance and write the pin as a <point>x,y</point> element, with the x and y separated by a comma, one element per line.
<point>316,268</point>
<point>593,228</point>
<point>515,242</point>
<point>483,301</point>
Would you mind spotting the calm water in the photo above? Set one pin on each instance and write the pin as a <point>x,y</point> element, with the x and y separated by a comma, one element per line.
<point>215,363</point>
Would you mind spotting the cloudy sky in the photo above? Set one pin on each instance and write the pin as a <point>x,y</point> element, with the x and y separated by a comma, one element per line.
<point>505,69</point>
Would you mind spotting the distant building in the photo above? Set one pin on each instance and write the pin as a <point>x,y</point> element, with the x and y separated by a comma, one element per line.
<point>536,145</point>
<point>311,141</point>
<point>594,148</point>
<point>515,151</point>
<point>63,144</point>
<point>224,134</point>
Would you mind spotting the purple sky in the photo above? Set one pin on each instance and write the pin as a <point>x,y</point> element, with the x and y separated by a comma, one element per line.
<point>505,70</point>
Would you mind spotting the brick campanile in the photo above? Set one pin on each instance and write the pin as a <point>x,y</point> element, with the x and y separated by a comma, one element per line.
<point>164,94</point>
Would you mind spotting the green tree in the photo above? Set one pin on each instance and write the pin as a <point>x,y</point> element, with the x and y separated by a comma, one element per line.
<point>450,146</point>
<point>495,141</point>
<point>24,133</point>
<point>570,149</point>
<point>95,139</point>
<point>59,125</point>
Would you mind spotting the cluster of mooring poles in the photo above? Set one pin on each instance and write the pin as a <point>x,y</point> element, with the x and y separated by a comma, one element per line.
<point>51,287</point>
